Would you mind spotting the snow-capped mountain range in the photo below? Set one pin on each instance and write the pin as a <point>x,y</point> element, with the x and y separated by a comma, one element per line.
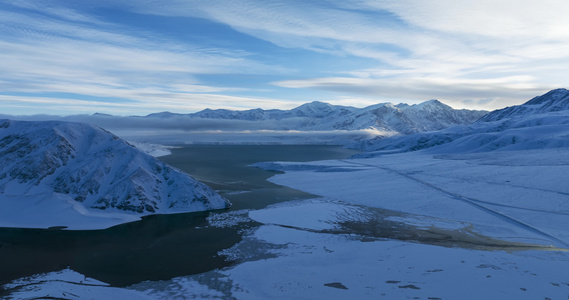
<point>542,122</point>
<point>92,171</point>
<point>311,123</point>
<point>320,116</point>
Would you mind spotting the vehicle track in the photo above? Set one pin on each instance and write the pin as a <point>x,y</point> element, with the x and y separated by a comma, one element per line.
<point>506,184</point>
<point>479,204</point>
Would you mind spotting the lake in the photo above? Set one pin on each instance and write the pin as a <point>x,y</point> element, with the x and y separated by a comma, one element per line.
<point>161,247</point>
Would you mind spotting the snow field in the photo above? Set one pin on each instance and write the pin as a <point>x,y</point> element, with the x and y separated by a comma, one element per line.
<point>508,201</point>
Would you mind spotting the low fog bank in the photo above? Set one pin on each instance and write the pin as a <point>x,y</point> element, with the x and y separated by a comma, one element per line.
<point>154,123</point>
<point>176,130</point>
<point>177,137</point>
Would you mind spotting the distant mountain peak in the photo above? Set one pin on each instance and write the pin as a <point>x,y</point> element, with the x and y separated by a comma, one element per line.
<point>551,97</point>
<point>431,103</point>
<point>101,115</point>
<point>315,105</point>
<point>315,109</point>
<point>163,115</point>
<point>434,101</point>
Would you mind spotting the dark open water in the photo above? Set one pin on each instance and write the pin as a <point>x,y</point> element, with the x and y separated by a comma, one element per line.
<point>164,246</point>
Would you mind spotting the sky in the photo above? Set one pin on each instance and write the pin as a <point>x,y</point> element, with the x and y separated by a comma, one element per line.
<point>136,57</point>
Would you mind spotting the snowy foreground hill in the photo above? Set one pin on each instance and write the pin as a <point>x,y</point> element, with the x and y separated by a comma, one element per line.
<point>82,177</point>
<point>475,215</point>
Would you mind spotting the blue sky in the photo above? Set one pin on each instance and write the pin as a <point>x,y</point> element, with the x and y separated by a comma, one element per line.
<point>135,57</point>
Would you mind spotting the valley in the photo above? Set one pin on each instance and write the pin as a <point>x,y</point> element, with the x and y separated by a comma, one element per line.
<point>259,150</point>
<point>428,215</point>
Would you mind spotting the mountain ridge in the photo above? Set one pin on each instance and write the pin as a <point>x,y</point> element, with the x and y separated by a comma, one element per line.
<point>554,100</point>
<point>318,116</point>
<point>541,122</point>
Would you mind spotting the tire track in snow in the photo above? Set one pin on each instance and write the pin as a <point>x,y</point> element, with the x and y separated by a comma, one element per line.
<point>471,201</point>
<point>506,184</point>
<point>506,205</point>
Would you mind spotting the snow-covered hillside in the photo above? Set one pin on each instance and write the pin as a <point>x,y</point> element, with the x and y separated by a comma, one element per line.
<point>555,100</point>
<point>542,122</point>
<point>79,170</point>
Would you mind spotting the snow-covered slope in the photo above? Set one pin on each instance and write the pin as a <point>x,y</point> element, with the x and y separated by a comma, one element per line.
<point>90,170</point>
<point>542,122</point>
<point>318,116</point>
<point>555,100</point>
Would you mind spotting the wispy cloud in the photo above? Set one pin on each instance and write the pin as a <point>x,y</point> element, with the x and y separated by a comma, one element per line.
<point>471,93</point>
<point>41,54</point>
<point>147,102</point>
<point>479,54</point>
<point>180,129</point>
<point>491,48</point>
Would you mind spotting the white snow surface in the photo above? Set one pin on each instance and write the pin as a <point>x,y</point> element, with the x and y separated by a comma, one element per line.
<point>311,265</point>
<point>82,177</point>
<point>155,150</point>
<point>314,214</point>
<point>68,284</point>
<point>514,195</point>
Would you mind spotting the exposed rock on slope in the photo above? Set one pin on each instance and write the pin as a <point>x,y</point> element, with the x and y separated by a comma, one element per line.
<point>94,168</point>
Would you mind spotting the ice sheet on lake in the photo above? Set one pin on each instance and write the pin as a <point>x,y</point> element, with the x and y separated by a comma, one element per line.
<point>66,284</point>
<point>313,214</point>
<point>310,265</point>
